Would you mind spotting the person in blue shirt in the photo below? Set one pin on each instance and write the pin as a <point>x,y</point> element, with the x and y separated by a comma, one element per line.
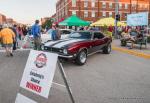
<point>36,32</point>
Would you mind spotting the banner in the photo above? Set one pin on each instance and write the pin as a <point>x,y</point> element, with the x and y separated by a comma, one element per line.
<point>138,19</point>
<point>39,72</point>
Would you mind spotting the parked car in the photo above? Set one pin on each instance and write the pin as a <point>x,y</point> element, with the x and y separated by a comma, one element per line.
<point>79,45</point>
<point>64,35</point>
<point>28,40</point>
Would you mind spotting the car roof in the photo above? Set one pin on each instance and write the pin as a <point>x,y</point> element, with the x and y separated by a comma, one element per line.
<point>91,31</point>
<point>67,29</point>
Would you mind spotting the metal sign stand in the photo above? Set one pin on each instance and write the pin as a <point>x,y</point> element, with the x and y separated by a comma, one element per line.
<point>65,81</point>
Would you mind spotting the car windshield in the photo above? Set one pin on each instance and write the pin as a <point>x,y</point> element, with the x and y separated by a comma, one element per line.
<point>81,35</point>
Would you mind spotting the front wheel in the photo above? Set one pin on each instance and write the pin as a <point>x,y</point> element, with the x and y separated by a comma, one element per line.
<point>107,49</point>
<point>81,57</point>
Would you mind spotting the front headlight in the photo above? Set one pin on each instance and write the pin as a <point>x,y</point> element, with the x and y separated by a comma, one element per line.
<point>65,51</point>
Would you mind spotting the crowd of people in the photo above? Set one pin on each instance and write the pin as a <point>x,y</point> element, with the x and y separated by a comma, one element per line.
<point>11,34</point>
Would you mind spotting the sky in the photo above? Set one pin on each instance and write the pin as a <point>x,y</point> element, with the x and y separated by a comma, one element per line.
<point>27,11</point>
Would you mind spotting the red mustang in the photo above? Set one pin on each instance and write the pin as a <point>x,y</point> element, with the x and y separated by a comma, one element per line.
<point>79,45</point>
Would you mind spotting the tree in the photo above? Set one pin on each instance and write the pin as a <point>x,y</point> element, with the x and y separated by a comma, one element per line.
<point>47,24</point>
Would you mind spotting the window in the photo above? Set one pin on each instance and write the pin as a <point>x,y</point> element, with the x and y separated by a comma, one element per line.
<point>73,12</point>
<point>93,13</point>
<point>85,3</point>
<point>81,35</point>
<point>85,13</point>
<point>110,14</point>
<point>93,3</point>
<point>65,32</point>
<point>134,6</point>
<point>74,3</point>
<point>120,6</point>
<point>104,5</point>
<point>98,35</point>
<point>110,5</point>
<point>104,14</point>
<point>126,6</point>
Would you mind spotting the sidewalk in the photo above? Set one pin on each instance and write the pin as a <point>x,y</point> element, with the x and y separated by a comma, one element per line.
<point>144,52</point>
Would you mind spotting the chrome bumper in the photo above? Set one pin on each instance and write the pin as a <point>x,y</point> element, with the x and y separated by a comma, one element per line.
<point>68,57</point>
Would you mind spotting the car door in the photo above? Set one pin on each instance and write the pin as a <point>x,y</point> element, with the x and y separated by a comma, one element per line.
<point>98,41</point>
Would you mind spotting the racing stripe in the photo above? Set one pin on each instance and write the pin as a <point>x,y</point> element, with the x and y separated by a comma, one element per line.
<point>61,44</point>
<point>51,43</point>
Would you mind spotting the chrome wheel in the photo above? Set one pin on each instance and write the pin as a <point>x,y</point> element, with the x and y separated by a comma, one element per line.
<point>83,57</point>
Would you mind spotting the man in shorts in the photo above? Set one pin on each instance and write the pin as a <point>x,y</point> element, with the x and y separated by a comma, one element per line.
<point>7,37</point>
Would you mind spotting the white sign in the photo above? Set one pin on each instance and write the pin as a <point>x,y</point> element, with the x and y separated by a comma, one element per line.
<point>138,19</point>
<point>39,72</point>
<point>22,99</point>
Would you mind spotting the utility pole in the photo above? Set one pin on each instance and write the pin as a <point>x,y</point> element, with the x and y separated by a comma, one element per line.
<point>137,3</point>
<point>149,12</point>
<point>130,6</point>
<point>116,13</point>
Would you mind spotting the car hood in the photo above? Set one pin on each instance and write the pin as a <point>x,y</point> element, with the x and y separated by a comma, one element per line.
<point>63,43</point>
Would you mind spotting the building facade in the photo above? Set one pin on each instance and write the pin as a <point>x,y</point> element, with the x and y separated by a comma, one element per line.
<point>92,10</point>
<point>2,19</point>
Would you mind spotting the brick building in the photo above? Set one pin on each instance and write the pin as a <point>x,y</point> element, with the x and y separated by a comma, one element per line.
<point>9,21</point>
<point>92,10</point>
<point>2,19</point>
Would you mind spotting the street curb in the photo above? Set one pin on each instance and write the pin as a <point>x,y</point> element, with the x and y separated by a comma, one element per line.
<point>132,52</point>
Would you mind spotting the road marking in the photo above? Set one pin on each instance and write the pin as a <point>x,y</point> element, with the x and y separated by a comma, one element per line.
<point>132,52</point>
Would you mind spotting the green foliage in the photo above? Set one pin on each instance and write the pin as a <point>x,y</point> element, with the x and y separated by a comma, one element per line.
<point>48,23</point>
<point>108,33</point>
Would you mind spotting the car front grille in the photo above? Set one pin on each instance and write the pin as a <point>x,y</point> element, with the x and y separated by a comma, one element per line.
<point>55,50</point>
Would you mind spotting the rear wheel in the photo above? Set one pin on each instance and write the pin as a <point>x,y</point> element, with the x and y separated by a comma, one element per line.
<point>107,49</point>
<point>81,57</point>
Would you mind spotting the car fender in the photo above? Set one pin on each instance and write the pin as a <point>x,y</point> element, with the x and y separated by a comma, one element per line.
<point>83,48</point>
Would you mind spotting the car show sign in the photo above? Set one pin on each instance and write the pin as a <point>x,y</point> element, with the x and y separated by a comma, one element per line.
<point>138,19</point>
<point>39,72</point>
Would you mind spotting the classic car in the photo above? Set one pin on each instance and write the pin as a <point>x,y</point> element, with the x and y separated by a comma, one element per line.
<point>79,45</point>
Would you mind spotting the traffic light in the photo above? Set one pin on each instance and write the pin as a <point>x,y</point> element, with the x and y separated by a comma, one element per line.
<point>118,17</point>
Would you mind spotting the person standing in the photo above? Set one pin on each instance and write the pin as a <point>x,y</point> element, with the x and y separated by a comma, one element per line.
<point>36,32</point>
<point>20,33</point>
<point>8,37</point>
<point>58,34</point>
<point>14,29</point>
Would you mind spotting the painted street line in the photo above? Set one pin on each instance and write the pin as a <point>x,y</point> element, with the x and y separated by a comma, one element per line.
<point>132,52</point>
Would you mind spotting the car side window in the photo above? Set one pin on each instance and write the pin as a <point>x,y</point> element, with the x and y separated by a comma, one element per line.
<point>98,35</point>
<point>65,32</point>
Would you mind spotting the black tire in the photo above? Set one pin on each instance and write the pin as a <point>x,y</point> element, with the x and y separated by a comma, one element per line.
<point>42,46</point>
<point>107,49</point>
<point>81,57</point>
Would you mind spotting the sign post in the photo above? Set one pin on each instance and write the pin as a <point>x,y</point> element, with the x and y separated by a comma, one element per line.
<point>65,81</point>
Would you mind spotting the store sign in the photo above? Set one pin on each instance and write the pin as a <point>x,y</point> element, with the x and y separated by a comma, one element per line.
<point>22,99</point>
<point>138,19</point>
<point>39,72</point>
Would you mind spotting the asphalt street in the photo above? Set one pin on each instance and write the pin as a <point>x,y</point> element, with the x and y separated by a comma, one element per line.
<point>114,78</point>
